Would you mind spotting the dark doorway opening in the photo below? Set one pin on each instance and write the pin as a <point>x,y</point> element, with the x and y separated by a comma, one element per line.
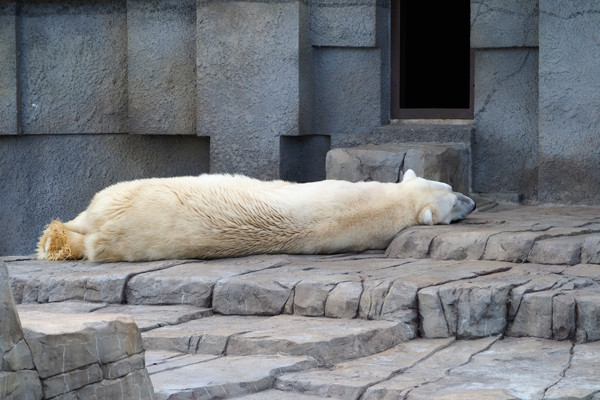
<point>432,63</point>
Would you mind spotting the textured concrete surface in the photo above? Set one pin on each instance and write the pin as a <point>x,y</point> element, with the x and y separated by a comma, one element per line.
<point>161,73</point>
<point>504,305</point>
<point>55,176</point>
<point>250,87</point>
<point>505,139</point>
<point>8,69</point>
<point>569,96</point>
<point>338,23</point>
<point>87,41</point>
<point>348,90</point>
<point>502,23</point>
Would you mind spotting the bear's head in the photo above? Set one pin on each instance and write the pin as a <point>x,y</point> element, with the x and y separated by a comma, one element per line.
<point>436,203</point>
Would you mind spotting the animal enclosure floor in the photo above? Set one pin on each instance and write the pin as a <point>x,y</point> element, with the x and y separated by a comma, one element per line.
<point>504,305</point>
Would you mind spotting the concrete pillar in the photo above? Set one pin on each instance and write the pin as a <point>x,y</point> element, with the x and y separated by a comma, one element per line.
<point>253,81</point>
<point>569,102</point>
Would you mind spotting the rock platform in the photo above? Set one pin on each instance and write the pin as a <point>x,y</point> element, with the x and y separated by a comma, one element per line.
<point>504,305</point>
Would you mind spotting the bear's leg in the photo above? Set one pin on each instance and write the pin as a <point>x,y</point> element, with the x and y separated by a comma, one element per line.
<point>60,243</point>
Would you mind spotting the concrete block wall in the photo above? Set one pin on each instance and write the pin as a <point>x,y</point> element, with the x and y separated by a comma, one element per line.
<point>351,42</point>
<point>504,37</point>
<point>91,93</point>
<point>265,88</point>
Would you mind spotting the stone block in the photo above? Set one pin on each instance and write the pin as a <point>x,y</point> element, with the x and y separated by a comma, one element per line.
<point>560,250</point>
<point>466,309</point>
<point>265,295</point>
<point>343,300</point>
<point>505,141</point>
<point>20,385</point>
<point>10,329</point>
<point>72,380</point>
<point>588,316</point>
<point>569,97</point>
<point>224,377</point>
<point>310,297</point>
<point>134,386</point>
<point>8,69</point>
<point>510,246</point>
<point>387,163</point>
<point>535,316</point>
<point>431,315</point>
<point>411,243</point>
<point>18,379</point>
<point>347,90</point>
<point>124,366</point>
<point>166,286</point>
<point>336,23</point>
<point>161,68</point>
<point>497,24</point>
<point>61,345</point>
<point>564,321</point>
<point>459,245</point>
<point>74,61</point>
<point>590,251</point>
<point>325,340</point>
<point>250,58</point>
<point>50,281</point>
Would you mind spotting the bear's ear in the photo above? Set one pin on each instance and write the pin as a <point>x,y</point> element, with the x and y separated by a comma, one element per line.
<point>409,174</point>
<point>426,216</point>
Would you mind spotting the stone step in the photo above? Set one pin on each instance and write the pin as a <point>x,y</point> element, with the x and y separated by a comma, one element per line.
<point>434,298</point>
<point>445,162</point>
<point>184,376</point>
<point>325,340</point>
<point>544,235</point>
<point>87,355</point>
<point>490,368</point>
<point>487,368</point>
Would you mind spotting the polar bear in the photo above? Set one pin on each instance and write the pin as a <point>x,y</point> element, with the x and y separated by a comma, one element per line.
<point>213,216</point>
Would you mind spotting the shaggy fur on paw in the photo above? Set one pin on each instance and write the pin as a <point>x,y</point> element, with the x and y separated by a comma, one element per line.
<point>54,243</point>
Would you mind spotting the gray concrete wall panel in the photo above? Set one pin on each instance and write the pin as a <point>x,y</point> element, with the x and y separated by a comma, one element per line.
<point>248,81</point>
<point>55,176</point>
<point>348,90</point>
<point>504,23</point>
<point>569,127</point>
<point>8,69</point>
<point>74,66</point>
<point>162,66</point>
<point>342,23</point>
<point>505,135</point>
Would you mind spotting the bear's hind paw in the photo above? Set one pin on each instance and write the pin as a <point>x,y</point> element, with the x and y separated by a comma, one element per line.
<point>54,243</point>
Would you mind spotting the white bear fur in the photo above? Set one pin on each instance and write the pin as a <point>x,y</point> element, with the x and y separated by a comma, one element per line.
<point>212,216</point>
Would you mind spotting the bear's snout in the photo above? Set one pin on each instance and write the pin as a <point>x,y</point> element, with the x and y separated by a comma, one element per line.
<point>463,207</point>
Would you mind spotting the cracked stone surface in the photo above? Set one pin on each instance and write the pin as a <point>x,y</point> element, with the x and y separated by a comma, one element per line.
<point>504,305</point>
<point>197,377</point>
<point>544,235</point>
